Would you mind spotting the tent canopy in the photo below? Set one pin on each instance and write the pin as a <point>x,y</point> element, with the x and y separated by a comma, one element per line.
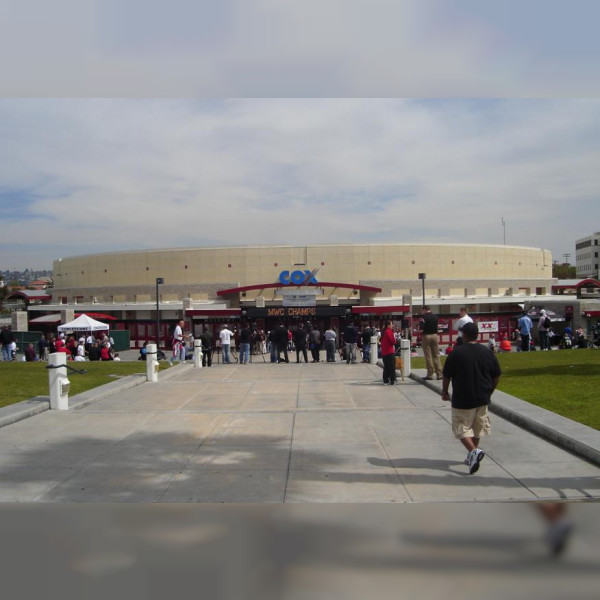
<point>83,323</point>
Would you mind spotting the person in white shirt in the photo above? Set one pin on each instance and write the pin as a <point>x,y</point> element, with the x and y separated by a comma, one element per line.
<point>225,337</point>
<point>89,342</point>
<point>178,343</point>
<point>462,321</point>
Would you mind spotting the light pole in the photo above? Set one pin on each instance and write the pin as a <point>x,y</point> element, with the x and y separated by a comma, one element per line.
<point>504,230</point>
<point>422,277</point>
<point>159,281</point>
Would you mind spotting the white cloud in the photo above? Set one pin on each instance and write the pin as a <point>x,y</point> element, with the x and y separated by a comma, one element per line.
<point>88,176</point>
<point>269,48</point>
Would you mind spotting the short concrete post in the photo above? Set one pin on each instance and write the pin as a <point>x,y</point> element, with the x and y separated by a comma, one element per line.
<point>151,363</point>
<point>405,354</point>
<point>59,383</point>
<point>373,355</point>
<point>198,353</point>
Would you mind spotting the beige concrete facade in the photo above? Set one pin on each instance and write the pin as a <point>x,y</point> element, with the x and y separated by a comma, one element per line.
<point>198,273</point>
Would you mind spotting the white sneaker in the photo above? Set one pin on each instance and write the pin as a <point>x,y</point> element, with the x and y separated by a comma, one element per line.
<point>468,458</point>
<point>476,457</point>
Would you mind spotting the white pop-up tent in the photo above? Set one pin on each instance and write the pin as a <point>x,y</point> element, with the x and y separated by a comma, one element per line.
<point>83,323</point>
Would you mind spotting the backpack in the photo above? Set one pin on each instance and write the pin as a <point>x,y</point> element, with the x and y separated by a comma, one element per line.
<point>547,322</point>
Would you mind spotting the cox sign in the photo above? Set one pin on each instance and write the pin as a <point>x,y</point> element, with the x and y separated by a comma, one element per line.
<point>296,278</point>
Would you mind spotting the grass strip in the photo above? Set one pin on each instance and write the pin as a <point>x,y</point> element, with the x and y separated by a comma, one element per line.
<point>566,382</point>
<point>21,380</point>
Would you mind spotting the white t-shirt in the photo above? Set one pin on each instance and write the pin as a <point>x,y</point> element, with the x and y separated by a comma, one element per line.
<point>461,322</point>
<point>225,336</point>
<point>178,334</point>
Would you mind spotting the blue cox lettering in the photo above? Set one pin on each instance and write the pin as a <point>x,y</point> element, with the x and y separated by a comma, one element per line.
<point>296,278</point>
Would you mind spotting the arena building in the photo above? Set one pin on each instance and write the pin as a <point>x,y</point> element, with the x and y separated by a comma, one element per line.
<point>320,283</point>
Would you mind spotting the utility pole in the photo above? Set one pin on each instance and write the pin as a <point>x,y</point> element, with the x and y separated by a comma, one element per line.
<point>159,281</point>
<point>504,230</point>
<point>422,277</point>
<point>566,256</point>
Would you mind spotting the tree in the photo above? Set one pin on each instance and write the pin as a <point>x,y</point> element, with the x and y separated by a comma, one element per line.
<point>564,271</point>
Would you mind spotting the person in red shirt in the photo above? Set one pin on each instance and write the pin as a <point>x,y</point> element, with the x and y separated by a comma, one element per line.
<point>105,353</point>
<point>388,353</point>
<point>60,347</point>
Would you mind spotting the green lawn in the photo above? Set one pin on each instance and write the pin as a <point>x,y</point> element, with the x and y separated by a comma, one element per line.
<point>21,380</point>
<point>566,382</point>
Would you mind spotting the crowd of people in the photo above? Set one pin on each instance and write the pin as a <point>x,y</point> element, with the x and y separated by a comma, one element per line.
<point>351,344</point>
<point>523,338</point>
<point>77,348</point>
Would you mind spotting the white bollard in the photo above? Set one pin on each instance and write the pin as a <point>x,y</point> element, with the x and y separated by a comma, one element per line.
<point>198,353</point>
<point>151,363</point>
<point>373,355</point>
<point>59,383</point>
<point>405,354</point>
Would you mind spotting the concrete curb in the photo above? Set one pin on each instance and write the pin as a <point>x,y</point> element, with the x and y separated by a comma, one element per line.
<point>580,440</point>
<point>22,410</point>
<point>39,404</point>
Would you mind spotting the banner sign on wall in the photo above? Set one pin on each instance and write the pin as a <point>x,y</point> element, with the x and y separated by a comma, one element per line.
<point>488,326</point>
<point>300,296</point>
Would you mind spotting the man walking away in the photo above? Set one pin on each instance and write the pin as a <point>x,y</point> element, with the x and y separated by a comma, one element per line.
<point>474,372</point>
<point>525,327</point>
<point>430,343</point>
<point>350,340</point>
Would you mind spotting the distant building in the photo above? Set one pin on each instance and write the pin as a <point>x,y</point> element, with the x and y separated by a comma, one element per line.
<point>587,258</point>
<point>39,284</point>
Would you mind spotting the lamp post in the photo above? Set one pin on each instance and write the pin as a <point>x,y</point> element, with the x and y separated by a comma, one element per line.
<point>422,277</point>
<point>159,281</point>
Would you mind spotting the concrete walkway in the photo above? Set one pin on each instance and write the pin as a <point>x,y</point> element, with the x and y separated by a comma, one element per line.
<point>275,433</point>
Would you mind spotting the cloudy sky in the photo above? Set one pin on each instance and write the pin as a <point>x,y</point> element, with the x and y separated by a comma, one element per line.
<point>259,155</point>
<point>85,176</point>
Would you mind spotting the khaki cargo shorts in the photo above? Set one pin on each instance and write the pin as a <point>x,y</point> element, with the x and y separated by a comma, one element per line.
<point>470,422</point>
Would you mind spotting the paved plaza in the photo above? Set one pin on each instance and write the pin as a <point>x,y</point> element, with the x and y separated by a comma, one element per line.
<point>275,433</point>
